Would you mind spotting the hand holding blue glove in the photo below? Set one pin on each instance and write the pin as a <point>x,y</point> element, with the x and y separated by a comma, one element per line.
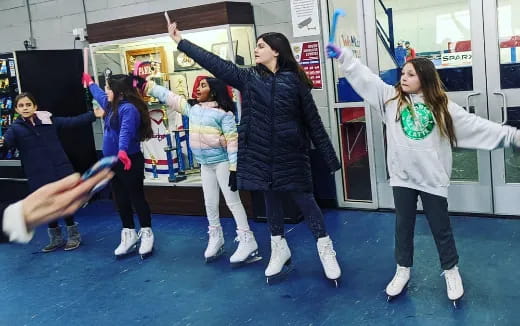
<point>333,51</point>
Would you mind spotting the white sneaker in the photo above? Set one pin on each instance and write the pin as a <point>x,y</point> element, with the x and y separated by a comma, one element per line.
<point>453,283</point>
<point>280,255</point>
<point>328,258</point>
<point>215,243</point>
<point>246,246</point>
<point>128,240</point>
<point>397,284</point>
<point>147,239</point>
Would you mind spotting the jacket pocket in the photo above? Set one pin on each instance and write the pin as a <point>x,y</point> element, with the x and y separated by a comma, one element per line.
<point>419,167</point>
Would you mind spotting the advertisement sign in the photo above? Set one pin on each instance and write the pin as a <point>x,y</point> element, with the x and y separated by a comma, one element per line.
<point>307,54</point>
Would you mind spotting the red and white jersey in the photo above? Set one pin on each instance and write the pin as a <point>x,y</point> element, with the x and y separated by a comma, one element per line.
<point>154,147</point>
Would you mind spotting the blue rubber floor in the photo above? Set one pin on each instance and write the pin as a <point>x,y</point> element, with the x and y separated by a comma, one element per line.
<point>175,287</point>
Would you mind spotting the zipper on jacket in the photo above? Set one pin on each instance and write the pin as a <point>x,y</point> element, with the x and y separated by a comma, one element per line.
<point>270,180</point>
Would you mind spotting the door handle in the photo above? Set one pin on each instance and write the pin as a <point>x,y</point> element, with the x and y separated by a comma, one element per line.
<point>504,106</point>
<point>467,99</point>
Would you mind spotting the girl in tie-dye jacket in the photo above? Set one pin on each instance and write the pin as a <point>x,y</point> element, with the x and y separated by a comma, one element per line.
<point>214,143</point>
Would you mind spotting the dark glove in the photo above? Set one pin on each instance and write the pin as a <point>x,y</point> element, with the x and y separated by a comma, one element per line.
<point>233,180</point>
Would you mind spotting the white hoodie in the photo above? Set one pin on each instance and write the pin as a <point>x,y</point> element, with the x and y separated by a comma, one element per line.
<point>418,156</point>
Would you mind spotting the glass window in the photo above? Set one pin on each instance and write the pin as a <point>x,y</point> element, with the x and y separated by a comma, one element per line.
<point>351,120</point>
<point>354,154</point>
<point>440,33</point>
<point>509,43</point>
<point>347,35</point>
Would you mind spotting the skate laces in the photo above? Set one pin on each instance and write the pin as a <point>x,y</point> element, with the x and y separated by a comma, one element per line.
<point>243,236</point>
<point>451,276</point>
<point>146,233</point>
<point>327,251</point>
<point>401,273</point>
<point>127,234</point>
<point>213,232</point>
<point>276,250</point>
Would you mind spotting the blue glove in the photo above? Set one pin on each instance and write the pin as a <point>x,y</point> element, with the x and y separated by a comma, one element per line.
<point>333,51</point>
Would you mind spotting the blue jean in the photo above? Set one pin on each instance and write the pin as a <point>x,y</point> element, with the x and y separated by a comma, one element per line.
<point>305,201</point>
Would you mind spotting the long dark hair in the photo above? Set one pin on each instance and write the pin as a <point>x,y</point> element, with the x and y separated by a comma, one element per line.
<point>123,89</point>
<point>434,97</point>
<point>279,43</point>
<point>218,92</point>
<point>23,95</point>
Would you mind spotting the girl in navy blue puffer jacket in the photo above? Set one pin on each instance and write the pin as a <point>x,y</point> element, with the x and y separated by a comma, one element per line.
<point>35,135</point>
<point>279,120</point>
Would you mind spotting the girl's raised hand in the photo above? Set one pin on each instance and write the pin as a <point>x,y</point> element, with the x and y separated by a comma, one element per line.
<point>175,34</point>
<point>333,51</point>
<point>99,112</point>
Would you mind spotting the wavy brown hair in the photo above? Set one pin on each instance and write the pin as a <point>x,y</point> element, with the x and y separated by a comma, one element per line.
<point>434,97</point>
<point>122,86</point>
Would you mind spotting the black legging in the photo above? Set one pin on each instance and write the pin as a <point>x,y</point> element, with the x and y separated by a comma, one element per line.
<point>305,201</point>
<point>129,191</point>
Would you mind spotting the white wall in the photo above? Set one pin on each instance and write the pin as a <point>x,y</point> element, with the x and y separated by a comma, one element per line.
<point>54,20</point>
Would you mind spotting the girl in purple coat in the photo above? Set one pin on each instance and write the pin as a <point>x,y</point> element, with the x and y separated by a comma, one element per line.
<point>127,123</point>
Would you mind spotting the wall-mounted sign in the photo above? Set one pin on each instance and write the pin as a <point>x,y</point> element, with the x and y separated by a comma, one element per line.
<point>456,59</point>
<point>305,18</point>
<point>307,54</point>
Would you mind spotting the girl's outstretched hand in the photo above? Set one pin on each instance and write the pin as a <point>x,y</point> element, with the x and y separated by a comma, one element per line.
<point>174,32</point>
<point>333,51</point>
<point>61,198</point>
<point>99,112</point>
<point>86,79</point>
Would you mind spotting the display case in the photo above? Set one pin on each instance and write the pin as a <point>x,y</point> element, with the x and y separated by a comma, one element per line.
<point>226,29</point>
<point>8,92</point>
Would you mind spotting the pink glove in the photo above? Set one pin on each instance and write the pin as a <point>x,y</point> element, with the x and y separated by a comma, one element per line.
<point>86,79</point>
<point>123,157</point>
<point>333,51</point>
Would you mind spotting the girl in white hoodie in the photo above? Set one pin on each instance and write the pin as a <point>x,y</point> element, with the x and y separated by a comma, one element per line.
<point>422,126</point>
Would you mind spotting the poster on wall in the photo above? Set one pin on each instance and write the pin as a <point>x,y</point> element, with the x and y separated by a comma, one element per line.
<point>153,62</point>
<point>179,84</point>
<point>307,54</point>
<point>181,62</point>
<point>305,18</point>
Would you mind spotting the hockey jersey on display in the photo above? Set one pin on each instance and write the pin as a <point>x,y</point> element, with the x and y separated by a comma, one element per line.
<point>153,149</point>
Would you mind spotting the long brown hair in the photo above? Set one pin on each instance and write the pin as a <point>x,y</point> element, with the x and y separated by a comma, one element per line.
<point>122,86</point>
<point>434,97</point>
<point>279,43</point>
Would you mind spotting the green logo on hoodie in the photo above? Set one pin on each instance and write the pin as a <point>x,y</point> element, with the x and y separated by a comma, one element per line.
<point>420,126</point>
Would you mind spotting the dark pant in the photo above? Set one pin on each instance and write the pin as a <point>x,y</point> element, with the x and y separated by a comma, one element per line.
<point>129,191</point>
<point>305,202</point>
<point>69,221</point>
<point>436,211</point>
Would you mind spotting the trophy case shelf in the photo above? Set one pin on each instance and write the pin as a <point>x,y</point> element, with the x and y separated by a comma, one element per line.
<point>224,28</point>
